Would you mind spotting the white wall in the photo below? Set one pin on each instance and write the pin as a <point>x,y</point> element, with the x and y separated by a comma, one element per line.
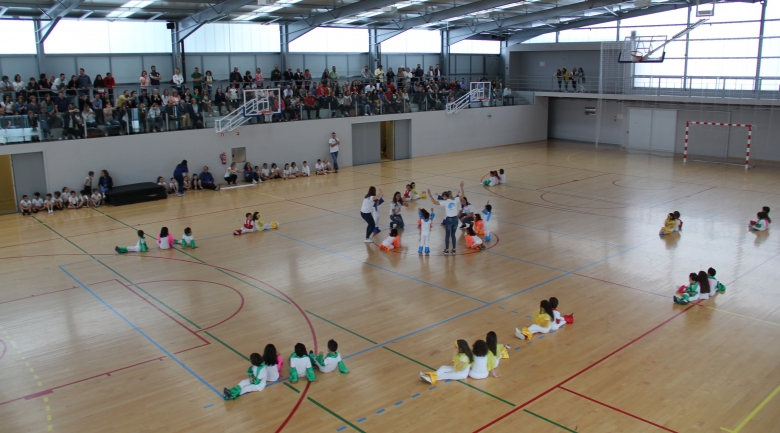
<point>141,158</point>
<point>568,121</point>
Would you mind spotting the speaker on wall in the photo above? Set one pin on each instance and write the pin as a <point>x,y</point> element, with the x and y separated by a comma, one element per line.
<point>170,26</point>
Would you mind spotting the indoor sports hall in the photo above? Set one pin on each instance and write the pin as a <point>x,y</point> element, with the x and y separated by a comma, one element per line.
<point>384,216</point>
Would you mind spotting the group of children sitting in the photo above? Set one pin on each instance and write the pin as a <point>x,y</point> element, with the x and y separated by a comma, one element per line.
<point>672,224</point>
<point>702,285</point>
<point>762,220</point>
<point>253,223</point>
<point>547,319</point>
<point>477,362</point>
<point>66,199</point>
<point>165,241</point>
<point>495,178</point>
<point>268,367</point>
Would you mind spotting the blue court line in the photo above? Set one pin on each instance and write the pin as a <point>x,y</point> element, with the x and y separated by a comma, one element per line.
<point>341,428</point>
<point>361,419</point>
<point>561,233</point>
<point>416,395</point>
<point>398,403</point>
<point>379,411</point>
<point>168,354</point>
<point>500,307</point>
<point>379,267</point>
<point>208,406</point>
<point>431,388</point>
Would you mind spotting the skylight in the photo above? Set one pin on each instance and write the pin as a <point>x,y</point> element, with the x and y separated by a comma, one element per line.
<point>129,8</point>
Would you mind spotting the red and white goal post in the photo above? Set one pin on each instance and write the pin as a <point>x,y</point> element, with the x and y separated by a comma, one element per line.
<point>741,125</point>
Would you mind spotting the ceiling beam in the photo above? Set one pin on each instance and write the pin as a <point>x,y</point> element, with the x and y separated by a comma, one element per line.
<point>532,33</point>
<point>300,28</point>
<point>450,13</point>
<point>189,25</point>
<point>54,14</point>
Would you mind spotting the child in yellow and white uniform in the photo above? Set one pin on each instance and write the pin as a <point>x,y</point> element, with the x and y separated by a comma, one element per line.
<point>300,365</point>
<point>140,246</point>
<point>256,381</point>
<point>331,361</point>
<point>253,224</point>
<point>392,242</point>
<point>542,322</point>
<point>461,364</point>
<point>670,225</point>
<point>417,195</point>
<point>482,366</point>
<point>496,352</point>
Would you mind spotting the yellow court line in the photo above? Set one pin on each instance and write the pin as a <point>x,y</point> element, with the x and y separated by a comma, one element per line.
<point>269,195</point>
<point>755,411</point>
<point>570,162</point>
<point>740,315</point>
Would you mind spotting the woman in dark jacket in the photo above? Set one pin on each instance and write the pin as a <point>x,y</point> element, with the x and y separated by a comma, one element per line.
<point>178,174</point>
<point>105,183</point>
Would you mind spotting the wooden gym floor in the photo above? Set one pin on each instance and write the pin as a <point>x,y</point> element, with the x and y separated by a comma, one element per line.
<point>92,342</point>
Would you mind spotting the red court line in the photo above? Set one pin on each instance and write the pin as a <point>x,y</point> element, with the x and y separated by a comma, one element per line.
<point>584,369</point>
<point>572,181</point>
<point>640,189</point>
<point>618,410</point>
<point>292,412</point>
<point>687,196</point>
<point>164,312</point>
<point>241,306</point>
<point>541,196</point>
<point>187,350</point>
<point>756,267</point>
<point>40,294</point>
<point>621,285</point>
<point>472,250</point>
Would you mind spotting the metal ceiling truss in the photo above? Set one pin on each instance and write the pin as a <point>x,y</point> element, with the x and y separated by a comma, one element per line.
<point>189,25</point>
<point>299,28</point>
<point>54,14</point>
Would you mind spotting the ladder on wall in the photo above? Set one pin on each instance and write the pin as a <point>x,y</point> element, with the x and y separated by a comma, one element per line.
<point>476,94</point>
<point>241,115</point>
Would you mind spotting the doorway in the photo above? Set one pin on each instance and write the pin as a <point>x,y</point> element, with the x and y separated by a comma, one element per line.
<point>374,142</point>
<point>29,174</point>
<point>388,143</point>
<point>7,196</point>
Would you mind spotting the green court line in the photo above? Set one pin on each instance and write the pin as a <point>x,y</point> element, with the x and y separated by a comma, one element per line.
<point>291,387</point>
<point>342,328</point>
<point>206,332</point>
<point>226,345</point>
<point>550,421</point>
<point>335,414</point>
<point>459,381</point>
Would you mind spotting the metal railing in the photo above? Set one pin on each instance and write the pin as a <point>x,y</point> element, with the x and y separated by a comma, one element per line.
<point>765,88</point>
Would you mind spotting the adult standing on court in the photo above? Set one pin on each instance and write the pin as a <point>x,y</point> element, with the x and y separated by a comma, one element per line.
<point>366,210</point>
<point>178,174</point>
<point>450,205</point>
<point>334,150</point>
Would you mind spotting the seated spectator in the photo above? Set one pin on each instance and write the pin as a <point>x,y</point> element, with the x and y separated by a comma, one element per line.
<point>175,97</point>
<point>45,120</point>
<point>145,99</point>
<point>203,101</point>
<point>89,117</point>
<point>208,84</point>
<point>185,122</point>
<point>195,114</point>
<point>154,118</point>
<point>310,105</point>
<point>207,180</point>
<point>112,125</point>
<point>172,115</point>
<point>508,96</point>
<point>166,96</point>
<point>235,76</point>
<point>73,127</point>
<point>250,175</point>
<point>220,101</point>
<point>105,183</point>
<point>97,107</point>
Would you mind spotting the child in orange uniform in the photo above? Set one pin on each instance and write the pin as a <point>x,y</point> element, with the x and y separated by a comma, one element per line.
<point>473,241</point>
<point>392,242</point>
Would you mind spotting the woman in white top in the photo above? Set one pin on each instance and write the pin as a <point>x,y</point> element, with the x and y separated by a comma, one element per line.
<point>466,214</point>
<point>396,219</point>
<point>231,174</point>
<point>366,210</point>
<point>450,205</point>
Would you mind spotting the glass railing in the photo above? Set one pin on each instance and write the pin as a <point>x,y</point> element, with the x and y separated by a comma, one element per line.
<point>134,118</point>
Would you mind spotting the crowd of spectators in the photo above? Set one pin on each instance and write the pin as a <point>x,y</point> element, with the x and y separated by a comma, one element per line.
<point>84,107</point>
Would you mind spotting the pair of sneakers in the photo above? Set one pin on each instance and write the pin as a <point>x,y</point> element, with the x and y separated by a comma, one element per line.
<point>448,251</point>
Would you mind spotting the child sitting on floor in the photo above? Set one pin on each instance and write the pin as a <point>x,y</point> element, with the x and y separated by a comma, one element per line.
<point>300,365</point>
<point>679,221</point>
<point>256,381</point>
<point>496,352</point>
<point>331,361</point>
<point>253,224</point>
<point>165,240</point>
<point>472,240</point>
<point>670,225</point>
<point>501,176</point>
<point>187,240</point>
<point>689,292</point>
<point>461,364</point>
<point>558,319</point>
<point>481,368</point>
<point>715,285</point>
<point>762,222</point>
<point>392,242</point>
<point>140,246</point>
<point>542,322</point>
<point>273,362</point>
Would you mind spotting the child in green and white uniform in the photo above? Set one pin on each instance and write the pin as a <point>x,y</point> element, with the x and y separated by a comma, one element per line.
<point>255,382</point>
<point>331,361</point>
<point>187,240</point>
<point>140,246</point>
<point>715,285</point>
<point>689,292</point>
<point>300,365</point>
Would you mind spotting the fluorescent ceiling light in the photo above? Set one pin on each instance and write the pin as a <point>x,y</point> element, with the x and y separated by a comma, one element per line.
<point>129,8</point>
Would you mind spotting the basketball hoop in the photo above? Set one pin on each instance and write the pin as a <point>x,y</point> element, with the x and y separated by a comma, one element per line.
<point>269,115</point>
<point>637,56</point>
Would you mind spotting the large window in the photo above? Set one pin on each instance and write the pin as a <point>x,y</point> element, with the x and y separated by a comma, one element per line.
<point>99,37</point>
<point>331,40</point>
<point>19,37</point>
<point>414,41</point>
<point>234,38</point>
<point>588,34</point>
<point>542,39</point>
<point>476,47</point>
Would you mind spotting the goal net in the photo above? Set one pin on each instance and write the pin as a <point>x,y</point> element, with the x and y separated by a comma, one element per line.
<point>699,149</point>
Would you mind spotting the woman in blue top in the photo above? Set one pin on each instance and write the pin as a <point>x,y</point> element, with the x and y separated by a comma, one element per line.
<point>178,174</point>
<point>105,183</point>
